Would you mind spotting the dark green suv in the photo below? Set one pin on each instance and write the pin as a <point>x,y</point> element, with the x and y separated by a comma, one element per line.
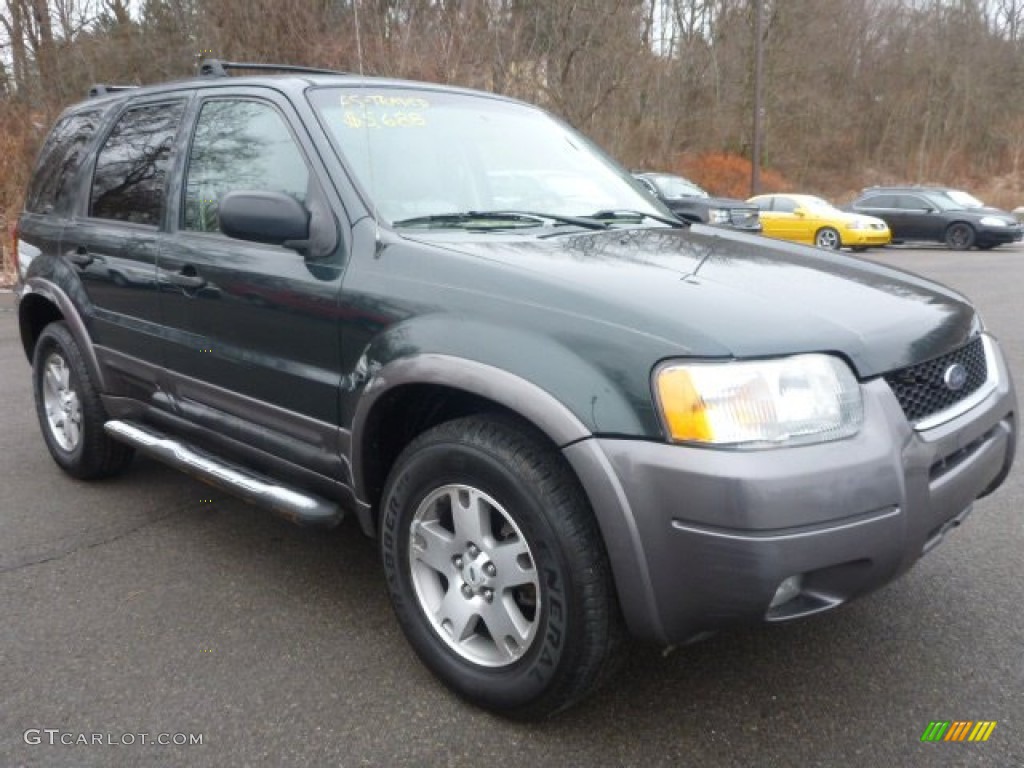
<point>564,414</point>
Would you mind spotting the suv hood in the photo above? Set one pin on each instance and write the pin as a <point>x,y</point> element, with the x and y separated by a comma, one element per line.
<point>711,202</point>
<point>707,292</point>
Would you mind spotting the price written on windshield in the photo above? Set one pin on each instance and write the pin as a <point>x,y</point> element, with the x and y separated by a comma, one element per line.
<point>387,119</point>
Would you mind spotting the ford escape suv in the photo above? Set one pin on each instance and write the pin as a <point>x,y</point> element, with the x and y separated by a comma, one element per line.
<point>565,415</point>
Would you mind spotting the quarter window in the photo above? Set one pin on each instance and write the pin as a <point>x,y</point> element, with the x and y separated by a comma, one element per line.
<point>60,159</point>
<point>879,201</point>
<point>783,204</point>
<point>239,145</point>
<point>131,169</point>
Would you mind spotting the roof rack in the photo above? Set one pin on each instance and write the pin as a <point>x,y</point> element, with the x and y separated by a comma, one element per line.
<point>102,90</point>
<point>218,68</point>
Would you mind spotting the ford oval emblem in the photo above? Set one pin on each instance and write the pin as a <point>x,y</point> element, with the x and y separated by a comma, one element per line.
<point>955,377</point>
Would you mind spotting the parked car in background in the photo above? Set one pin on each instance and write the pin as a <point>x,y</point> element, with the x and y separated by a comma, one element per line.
<point>691,203</point>
<point>809,219</point>
<point>940,215</point>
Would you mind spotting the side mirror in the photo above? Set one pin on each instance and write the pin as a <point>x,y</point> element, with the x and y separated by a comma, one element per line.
<point>799,212</point>
<point>264,217</point>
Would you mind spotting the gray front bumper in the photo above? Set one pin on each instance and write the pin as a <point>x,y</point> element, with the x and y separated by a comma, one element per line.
<point>700,539</point>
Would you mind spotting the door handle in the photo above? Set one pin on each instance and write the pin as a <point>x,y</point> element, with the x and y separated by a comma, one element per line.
<point>186,277</point>
<point>81,257</point>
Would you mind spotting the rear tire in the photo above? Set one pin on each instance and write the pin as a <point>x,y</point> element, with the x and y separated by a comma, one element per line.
<point>960,236</point>
<point>496,569</point>
<point>71,414</point>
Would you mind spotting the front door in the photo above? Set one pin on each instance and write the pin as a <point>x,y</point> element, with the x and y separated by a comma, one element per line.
<point>921,221</point>
<point>254,340</point>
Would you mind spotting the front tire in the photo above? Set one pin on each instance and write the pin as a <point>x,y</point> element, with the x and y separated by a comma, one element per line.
<point>496,569</point>
<point>960,236</point>
<point>70,412</point>
<point>827,237</point>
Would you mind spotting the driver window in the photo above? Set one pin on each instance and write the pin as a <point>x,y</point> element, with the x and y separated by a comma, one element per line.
<point>912,203</point>
<point>239,145</point>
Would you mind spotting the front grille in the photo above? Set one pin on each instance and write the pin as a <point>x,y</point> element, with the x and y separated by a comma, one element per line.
<point>921,389</point>
<point>744,217</point>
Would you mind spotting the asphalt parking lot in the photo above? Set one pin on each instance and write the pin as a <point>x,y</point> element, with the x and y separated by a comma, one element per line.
<point>154,605</point>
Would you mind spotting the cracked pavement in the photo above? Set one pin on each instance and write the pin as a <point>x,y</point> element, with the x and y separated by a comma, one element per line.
<point>151,603</point>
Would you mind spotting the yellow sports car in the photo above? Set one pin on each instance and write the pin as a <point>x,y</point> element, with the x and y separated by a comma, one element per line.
<point>809,219</point>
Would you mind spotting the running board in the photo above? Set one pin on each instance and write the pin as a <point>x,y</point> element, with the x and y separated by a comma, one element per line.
<point>298,506</point>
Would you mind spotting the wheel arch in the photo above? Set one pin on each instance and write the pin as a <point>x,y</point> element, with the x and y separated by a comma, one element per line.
<point>832,228</point>
<point>43,302</point>
<point>422,386</point>
<point>410,395</point>
<point>961,222</point>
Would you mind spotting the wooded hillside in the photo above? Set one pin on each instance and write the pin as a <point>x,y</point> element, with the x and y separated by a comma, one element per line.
<point>856,92</point>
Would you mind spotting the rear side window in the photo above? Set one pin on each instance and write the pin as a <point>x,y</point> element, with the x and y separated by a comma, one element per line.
<point>60,160</point>
<point>878,201</point>
<point>783,204</point>
<point>239,145</point>
<point>131,168</point>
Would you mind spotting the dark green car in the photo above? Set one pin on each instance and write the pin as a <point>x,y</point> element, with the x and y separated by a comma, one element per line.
<point>565,415</point>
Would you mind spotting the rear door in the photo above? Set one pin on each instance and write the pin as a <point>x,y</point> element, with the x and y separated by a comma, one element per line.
<point>113,235</point>
<point>253,331</point>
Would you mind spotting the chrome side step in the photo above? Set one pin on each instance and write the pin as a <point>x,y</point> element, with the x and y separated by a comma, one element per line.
<point>298,506</point>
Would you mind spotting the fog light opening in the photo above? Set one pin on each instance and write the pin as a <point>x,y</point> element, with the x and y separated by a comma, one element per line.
<point>787,590</point>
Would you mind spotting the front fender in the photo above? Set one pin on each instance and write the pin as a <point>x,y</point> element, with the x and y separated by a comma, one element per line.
<point>590,382</point>
<point>563,427</point>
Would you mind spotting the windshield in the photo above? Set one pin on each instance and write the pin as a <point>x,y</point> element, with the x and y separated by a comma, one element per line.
<point>964,199</point>
<point>817,204</point>
<point>423,153</point>
<point>674,187</point>
<point>943,202</point>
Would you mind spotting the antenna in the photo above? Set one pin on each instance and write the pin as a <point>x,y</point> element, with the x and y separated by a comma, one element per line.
<point>369,151</point>
<point>359,38</point>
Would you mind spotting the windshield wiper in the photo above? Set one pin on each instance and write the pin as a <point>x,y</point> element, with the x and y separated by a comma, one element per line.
<point>625,215</point>
<point>512,218</point>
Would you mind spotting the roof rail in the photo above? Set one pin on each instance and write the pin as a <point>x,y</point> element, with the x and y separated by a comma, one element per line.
<point>102,90</point>
<point>218,68</point>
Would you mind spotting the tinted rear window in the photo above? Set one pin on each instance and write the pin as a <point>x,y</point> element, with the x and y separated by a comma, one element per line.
<point>878,201</point>
<point>60,159</point>
<point>131,168</point>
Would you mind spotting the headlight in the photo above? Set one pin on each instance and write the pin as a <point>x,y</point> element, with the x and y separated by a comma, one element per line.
<point>992,221</point>
<point>718,216</point>
<point>793,400</point>
<point>857,224</point>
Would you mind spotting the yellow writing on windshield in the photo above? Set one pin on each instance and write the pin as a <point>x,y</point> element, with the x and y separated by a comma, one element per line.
<point>383,100</point>
<point>366,118</point>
